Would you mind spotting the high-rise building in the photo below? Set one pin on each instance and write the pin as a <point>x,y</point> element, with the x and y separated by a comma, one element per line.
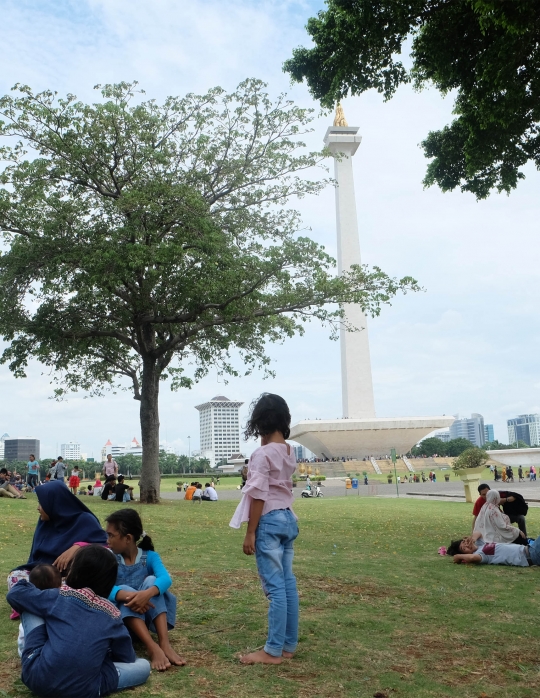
<point>220,428</point>
<point>489,434</point>
<point>70,451</point>
<point>20,449</point>
<point>299,453</point>
<point>526,428</point>
<point>469,428</point>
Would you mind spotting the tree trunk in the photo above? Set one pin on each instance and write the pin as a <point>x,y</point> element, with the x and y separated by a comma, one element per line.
<point>150,479</point>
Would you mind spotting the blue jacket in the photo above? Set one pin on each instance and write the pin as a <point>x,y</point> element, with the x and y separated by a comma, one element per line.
<point>72,655</point>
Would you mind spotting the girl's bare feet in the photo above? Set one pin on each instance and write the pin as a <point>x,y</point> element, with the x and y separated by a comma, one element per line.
<point>287,655</point>
<point>158,658</point>
<point>260,657</point>
<point>172,656</point>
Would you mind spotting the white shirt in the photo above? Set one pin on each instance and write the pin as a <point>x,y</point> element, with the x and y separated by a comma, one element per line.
<point>211,492</point>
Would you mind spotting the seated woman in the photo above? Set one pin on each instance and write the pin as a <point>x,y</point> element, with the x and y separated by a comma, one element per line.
<point>493,525</point>
<point>141,591</point>
<point>54,663</point>
<point>65,524</point>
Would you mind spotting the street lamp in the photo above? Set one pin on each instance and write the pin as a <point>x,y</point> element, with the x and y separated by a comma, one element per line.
<point>189,442</point>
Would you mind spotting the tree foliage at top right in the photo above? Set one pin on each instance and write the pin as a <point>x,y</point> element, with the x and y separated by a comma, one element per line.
<point>487,52</point>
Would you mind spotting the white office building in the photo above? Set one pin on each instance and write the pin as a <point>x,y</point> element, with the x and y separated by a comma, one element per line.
<point>526,428</point>
<point>70,451</point>
<point>220,429</point>
<point>116,450</point>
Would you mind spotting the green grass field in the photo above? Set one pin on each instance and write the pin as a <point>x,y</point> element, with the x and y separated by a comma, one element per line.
<point>381,613</point>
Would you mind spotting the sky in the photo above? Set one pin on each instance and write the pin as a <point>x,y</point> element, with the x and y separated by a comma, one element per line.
<point>467,343</point>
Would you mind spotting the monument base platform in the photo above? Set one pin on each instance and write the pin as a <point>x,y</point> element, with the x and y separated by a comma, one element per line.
<point>516,457</point>
<point>361,438</point>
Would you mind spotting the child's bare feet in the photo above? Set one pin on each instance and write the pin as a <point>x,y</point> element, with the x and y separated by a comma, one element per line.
<point>158,658</point>
<point>172,656</point>
<point>260,657</point>
<point>287,655</point>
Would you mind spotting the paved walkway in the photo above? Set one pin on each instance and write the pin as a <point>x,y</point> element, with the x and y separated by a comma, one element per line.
<point>444,491</point>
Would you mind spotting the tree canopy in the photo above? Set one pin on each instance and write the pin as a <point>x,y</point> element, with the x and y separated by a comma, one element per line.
<point>145,242</point>
<point>485,52</point>
<point>435,446</point>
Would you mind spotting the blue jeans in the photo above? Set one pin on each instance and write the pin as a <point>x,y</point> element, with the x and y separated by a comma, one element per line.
<point>159,603</point>
<point>29,622</point>
<point>32,480</point>
<point>132,674</point>
<point>534,551</point>
<point>274,553</point>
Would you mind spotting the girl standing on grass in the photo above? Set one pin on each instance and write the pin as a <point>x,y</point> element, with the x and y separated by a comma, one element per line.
<point>141,590</point>
<point>272,526</point>
<point>75,480</point>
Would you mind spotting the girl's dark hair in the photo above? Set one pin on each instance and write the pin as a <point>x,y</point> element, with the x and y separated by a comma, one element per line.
<point>110,478</point>
<point>128,522</point>
<point>269,413</point>
<point>453,548</point>
<point>94,567</point>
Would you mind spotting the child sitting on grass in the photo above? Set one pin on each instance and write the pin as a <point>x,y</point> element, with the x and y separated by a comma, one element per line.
<point>272,527</point>
<point>141,591</point>
<point>76,645</point>
<point>42,577</point>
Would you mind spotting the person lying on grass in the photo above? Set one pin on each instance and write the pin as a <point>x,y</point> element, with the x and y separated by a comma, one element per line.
<point>272,526</point>
<point>75,644</point>
<point>476,551</point>
<point>141,589</point>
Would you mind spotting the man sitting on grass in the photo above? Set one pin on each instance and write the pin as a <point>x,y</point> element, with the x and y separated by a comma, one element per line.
<point>474,550</point>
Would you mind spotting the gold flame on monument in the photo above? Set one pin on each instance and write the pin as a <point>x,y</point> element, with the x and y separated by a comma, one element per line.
<point>339,118</point>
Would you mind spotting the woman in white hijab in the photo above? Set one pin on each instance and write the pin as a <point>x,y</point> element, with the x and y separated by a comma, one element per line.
<point>495,526</point>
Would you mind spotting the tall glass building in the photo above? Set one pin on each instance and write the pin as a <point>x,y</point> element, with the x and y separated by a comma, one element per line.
<point>526,428</point>
<point>469,428</point>
<point>489,434</point>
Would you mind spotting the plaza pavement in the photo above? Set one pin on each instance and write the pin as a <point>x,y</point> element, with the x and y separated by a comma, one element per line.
<point>443,491</point>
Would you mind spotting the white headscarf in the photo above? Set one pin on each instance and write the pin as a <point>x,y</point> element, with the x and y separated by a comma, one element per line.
<point>495,526</point>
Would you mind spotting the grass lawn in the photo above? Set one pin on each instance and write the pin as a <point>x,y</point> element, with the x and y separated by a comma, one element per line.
<point>381,613</point>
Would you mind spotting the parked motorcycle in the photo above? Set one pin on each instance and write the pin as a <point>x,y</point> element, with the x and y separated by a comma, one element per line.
<point>308,492</point>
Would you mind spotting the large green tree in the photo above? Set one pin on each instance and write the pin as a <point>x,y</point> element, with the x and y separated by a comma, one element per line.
<point>147,241</point>
<point>486,52</point>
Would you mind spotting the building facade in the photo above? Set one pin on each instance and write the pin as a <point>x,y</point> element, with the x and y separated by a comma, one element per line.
<point>469,428</point>
<point>20,449</point>
<point>442,434</point>
<point>116,450</point>
<point>220,429</point>
<point>70,451</point>
<point>2,439</point>
<point>526,428</point>
<point>489,434</point>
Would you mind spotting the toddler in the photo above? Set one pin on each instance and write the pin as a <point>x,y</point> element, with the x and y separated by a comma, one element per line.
<point>42,577</point>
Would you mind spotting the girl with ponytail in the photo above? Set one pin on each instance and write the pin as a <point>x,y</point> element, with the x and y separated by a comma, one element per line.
<point>142,587</point>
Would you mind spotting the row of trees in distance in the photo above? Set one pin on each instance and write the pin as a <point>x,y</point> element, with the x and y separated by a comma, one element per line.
<point>169,463</point>
<point>455,447</point>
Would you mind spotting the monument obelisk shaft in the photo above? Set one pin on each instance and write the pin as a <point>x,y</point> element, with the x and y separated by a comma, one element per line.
<point>356,380</point>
